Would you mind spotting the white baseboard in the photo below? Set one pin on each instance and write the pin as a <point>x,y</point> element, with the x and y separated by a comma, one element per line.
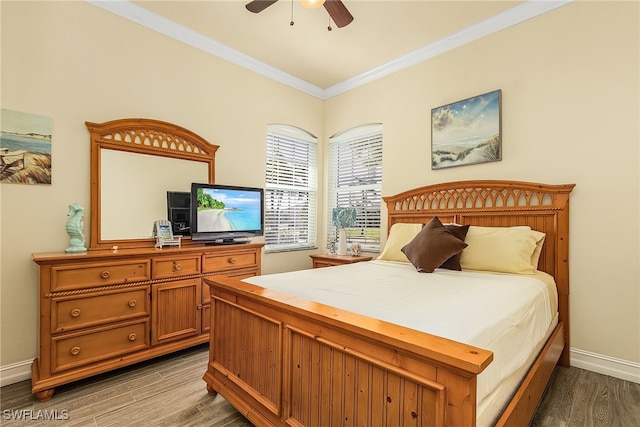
<point>15,373</point>
<point>606,365</point>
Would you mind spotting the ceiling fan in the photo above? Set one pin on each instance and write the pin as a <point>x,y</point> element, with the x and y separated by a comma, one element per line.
<point>336,9</point>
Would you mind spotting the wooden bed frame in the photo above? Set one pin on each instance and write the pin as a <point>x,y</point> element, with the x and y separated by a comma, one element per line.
<point>283,360</point>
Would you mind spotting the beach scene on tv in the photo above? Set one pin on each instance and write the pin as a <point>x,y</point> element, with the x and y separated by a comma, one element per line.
<point>228,210</point>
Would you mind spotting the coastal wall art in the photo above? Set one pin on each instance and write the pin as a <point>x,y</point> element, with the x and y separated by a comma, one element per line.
<point>25,148</point>
<point>467,132</point>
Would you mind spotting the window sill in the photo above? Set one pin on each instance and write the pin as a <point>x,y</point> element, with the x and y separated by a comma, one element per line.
<point>290,249</point>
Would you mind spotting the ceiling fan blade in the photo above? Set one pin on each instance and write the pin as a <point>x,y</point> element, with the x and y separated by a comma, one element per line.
<point>256,6</point>
<point>338,12</point>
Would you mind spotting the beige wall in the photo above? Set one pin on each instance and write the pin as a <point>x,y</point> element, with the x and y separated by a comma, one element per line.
<point>570,87</point>
<point>74,62</point>
<point>570,115</point>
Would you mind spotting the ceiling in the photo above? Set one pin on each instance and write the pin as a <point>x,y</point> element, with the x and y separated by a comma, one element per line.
<point>385,35</point>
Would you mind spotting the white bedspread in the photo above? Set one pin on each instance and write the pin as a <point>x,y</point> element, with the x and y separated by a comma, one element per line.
<point>510,315</point>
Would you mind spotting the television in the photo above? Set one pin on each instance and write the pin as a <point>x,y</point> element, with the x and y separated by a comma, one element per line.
<point>224,214</point>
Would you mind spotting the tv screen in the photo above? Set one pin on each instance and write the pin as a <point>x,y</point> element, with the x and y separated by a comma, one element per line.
<point>226,214</point>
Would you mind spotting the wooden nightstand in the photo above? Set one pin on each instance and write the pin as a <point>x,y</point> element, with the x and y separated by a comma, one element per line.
<point>328,260</point>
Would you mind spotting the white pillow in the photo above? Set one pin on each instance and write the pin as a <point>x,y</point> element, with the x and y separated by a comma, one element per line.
<point>399,235</point>
<point>500,249</point>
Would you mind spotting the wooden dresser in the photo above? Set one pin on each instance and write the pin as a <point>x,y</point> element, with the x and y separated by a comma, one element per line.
<point>106,309</point>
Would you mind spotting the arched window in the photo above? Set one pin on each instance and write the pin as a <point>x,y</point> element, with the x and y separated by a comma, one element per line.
<point>291,189</point>
<point>355,181</point>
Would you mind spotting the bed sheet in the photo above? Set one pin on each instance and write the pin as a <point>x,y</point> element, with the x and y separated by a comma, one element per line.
<point>510,315</point>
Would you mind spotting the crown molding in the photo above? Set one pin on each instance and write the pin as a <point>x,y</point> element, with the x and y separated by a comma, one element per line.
<point>513,16</point>
<point>506,19</point>
<point>146,18</point>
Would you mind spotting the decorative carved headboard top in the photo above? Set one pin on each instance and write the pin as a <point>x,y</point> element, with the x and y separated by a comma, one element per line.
<point>495,203</point>
<point>481,195</point>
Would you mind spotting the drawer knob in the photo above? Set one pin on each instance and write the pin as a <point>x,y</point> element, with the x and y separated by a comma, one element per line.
<point>75,351</point>
<point>132,303</point>
<point>75,312</point>
<point>105,274</point>
<point>177,267</point>
<point>132,337</point>
<point>232,260</point>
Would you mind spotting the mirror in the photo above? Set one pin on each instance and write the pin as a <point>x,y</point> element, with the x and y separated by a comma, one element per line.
<point>134,190</point>
<point>134,162</point>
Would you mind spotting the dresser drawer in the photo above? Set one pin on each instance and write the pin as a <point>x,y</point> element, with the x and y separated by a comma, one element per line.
<point>72,350</point>
<point>228,261</point>
<point>81,311</point>
<point>78,276</point>
<point>174,267</point>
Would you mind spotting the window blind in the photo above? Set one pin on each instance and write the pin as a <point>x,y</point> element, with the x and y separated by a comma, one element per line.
<point>355,180</point>
<point>291,186</point>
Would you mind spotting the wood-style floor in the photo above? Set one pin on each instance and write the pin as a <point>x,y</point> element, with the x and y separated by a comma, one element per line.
<point>169,391</point>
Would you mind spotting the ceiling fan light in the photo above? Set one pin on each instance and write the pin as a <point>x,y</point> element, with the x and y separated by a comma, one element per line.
<point>312,4</point>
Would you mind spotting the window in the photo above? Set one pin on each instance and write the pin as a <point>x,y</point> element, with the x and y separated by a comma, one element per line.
<point>291,186</point>
<point>355,180</point>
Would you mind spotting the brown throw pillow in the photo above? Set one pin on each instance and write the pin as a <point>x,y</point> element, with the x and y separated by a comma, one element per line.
<point>460,231</point>
<point>433,245</point>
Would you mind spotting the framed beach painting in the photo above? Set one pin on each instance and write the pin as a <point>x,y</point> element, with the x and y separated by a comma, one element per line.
<point>25,148</point>
<point>467,132</point>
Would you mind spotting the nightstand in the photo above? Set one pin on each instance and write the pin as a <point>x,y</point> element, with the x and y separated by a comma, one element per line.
<point>329,260</point>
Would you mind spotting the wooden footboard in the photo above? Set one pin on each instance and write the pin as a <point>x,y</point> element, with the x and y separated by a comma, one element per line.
<point>283,360</point>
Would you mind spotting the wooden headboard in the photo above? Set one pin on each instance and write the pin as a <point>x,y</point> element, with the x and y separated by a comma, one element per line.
<point>496,203</point>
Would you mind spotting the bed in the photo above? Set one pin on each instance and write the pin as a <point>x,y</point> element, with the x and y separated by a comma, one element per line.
<point>283,356</point>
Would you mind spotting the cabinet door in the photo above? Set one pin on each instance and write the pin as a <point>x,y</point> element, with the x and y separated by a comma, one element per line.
<point>177,310</point>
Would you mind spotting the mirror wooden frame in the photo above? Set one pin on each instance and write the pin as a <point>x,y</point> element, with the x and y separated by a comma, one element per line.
<point>143,136</point>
